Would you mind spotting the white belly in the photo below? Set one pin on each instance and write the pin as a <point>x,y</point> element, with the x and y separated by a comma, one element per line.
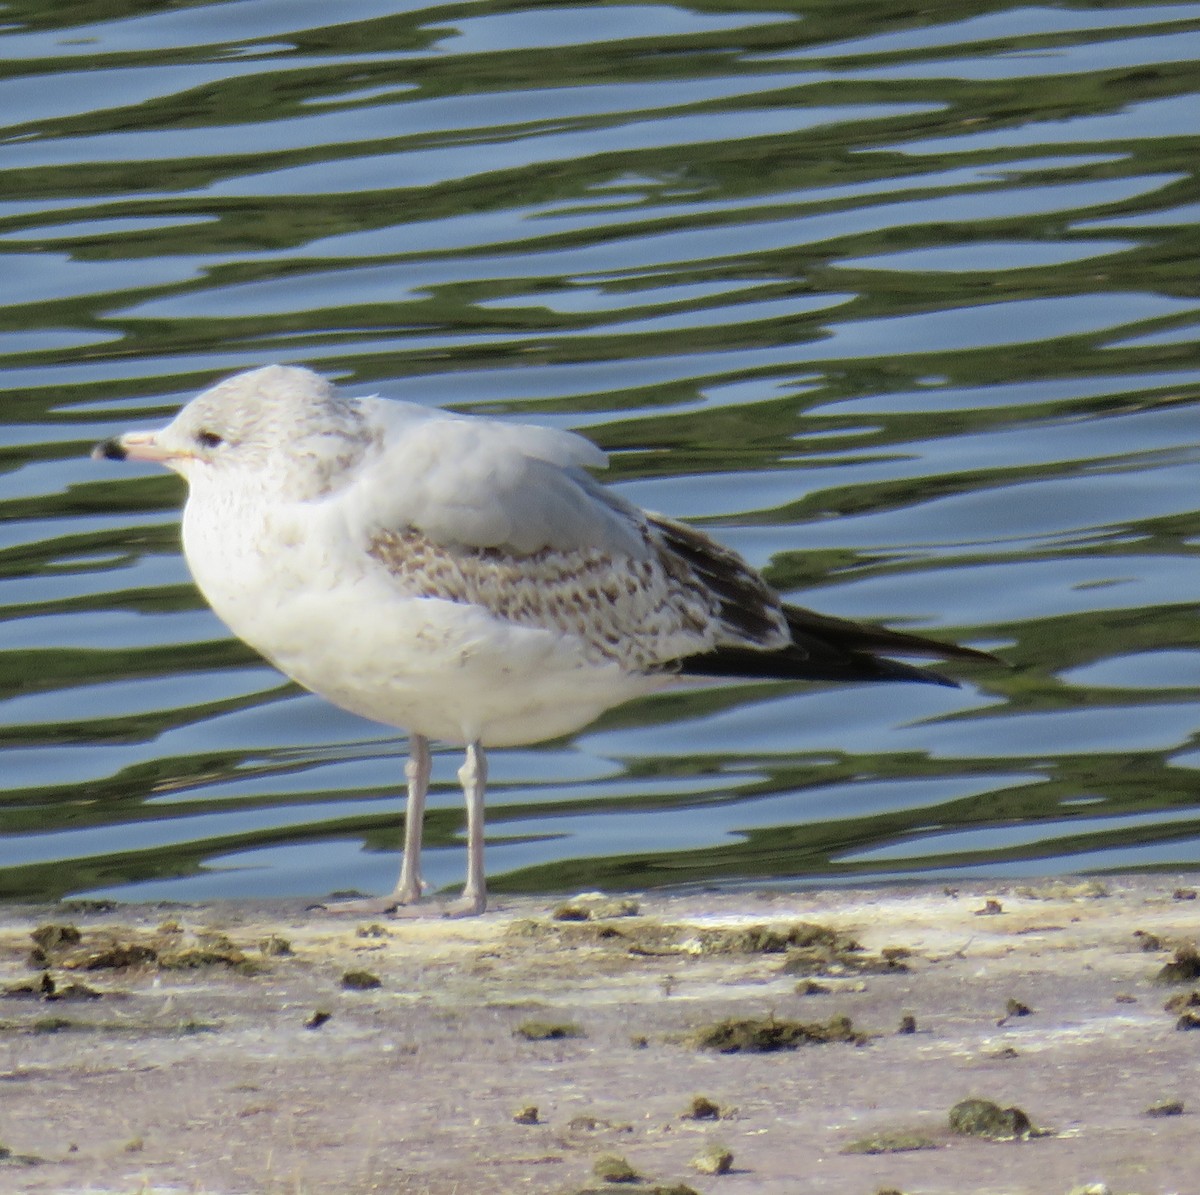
<point>329,619</point>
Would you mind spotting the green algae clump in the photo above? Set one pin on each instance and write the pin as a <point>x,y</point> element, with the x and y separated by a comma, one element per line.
<point>890,1141</point>
<point>612,1168</point>
<point>1183,968</point>
<point>117,948</point>
<point>49,938</point>
<point>361,981</point>
<point>982,1118</point>
<point>713,1159</point>
<point>761,1035</point>
<point>700,1107</point>
<point>771,939</point>
<point>273,946</point>
<point>595,906</point>
<point>548,1030</point>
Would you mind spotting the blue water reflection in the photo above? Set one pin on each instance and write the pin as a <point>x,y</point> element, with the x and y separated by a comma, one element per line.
<point>901,306</point>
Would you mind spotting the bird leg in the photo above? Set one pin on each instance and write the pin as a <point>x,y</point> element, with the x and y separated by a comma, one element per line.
<point>410,886</point>
<point>473,777</point>
<point>416,771</point>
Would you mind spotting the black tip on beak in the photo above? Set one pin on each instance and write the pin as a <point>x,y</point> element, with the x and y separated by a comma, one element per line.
<point>108,450</point>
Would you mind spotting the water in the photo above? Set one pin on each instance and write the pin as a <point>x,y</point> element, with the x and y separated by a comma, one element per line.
<point>901,305</point>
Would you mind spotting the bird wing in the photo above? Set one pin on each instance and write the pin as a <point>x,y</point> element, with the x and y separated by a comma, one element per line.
<point>479,483</point>
<point>503,517</point>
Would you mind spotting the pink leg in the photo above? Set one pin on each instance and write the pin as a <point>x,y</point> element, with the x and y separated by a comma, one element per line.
<point>473,777</point>
<point>410,885</point>
<point>417,770</point>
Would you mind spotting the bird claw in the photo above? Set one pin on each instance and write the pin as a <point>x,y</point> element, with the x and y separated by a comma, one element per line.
<point>395,905</point>
<point>467,905</point>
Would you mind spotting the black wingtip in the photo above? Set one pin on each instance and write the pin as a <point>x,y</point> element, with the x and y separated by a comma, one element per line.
<point>824,648</point>
<point>797,664</point>
<point>109,450</point>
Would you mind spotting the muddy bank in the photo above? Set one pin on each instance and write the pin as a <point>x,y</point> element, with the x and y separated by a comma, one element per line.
<point>727,1043</point>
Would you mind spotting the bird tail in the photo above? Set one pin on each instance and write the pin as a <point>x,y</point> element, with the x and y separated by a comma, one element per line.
<point>824,648</point>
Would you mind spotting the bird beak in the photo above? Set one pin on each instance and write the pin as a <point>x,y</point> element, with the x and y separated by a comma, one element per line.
<point>132,446</point>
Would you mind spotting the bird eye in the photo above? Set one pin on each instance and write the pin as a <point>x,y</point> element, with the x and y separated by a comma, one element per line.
<point>207,439</point>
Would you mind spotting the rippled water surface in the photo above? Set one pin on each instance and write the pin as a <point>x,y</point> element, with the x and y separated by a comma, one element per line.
<point>901,303</point>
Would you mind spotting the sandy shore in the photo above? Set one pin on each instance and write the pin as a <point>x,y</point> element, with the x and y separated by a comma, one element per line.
<point>218,1048</point>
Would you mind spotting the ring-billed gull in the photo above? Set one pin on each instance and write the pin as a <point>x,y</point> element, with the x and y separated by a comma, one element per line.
<point>465,579</point>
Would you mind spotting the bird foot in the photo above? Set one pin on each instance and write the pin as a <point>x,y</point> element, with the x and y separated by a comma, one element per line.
<point>403,902</point>
<point>467,905</point>
<point>396,904</point>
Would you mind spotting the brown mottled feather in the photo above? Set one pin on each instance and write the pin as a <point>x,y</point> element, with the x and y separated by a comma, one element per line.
<point>641,614</point>
<point>691,606</point>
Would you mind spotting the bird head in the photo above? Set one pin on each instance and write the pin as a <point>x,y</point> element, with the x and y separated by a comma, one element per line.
<point>282,428</point>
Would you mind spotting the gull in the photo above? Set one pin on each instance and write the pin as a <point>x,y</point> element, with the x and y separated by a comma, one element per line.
<point>467,579</point>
